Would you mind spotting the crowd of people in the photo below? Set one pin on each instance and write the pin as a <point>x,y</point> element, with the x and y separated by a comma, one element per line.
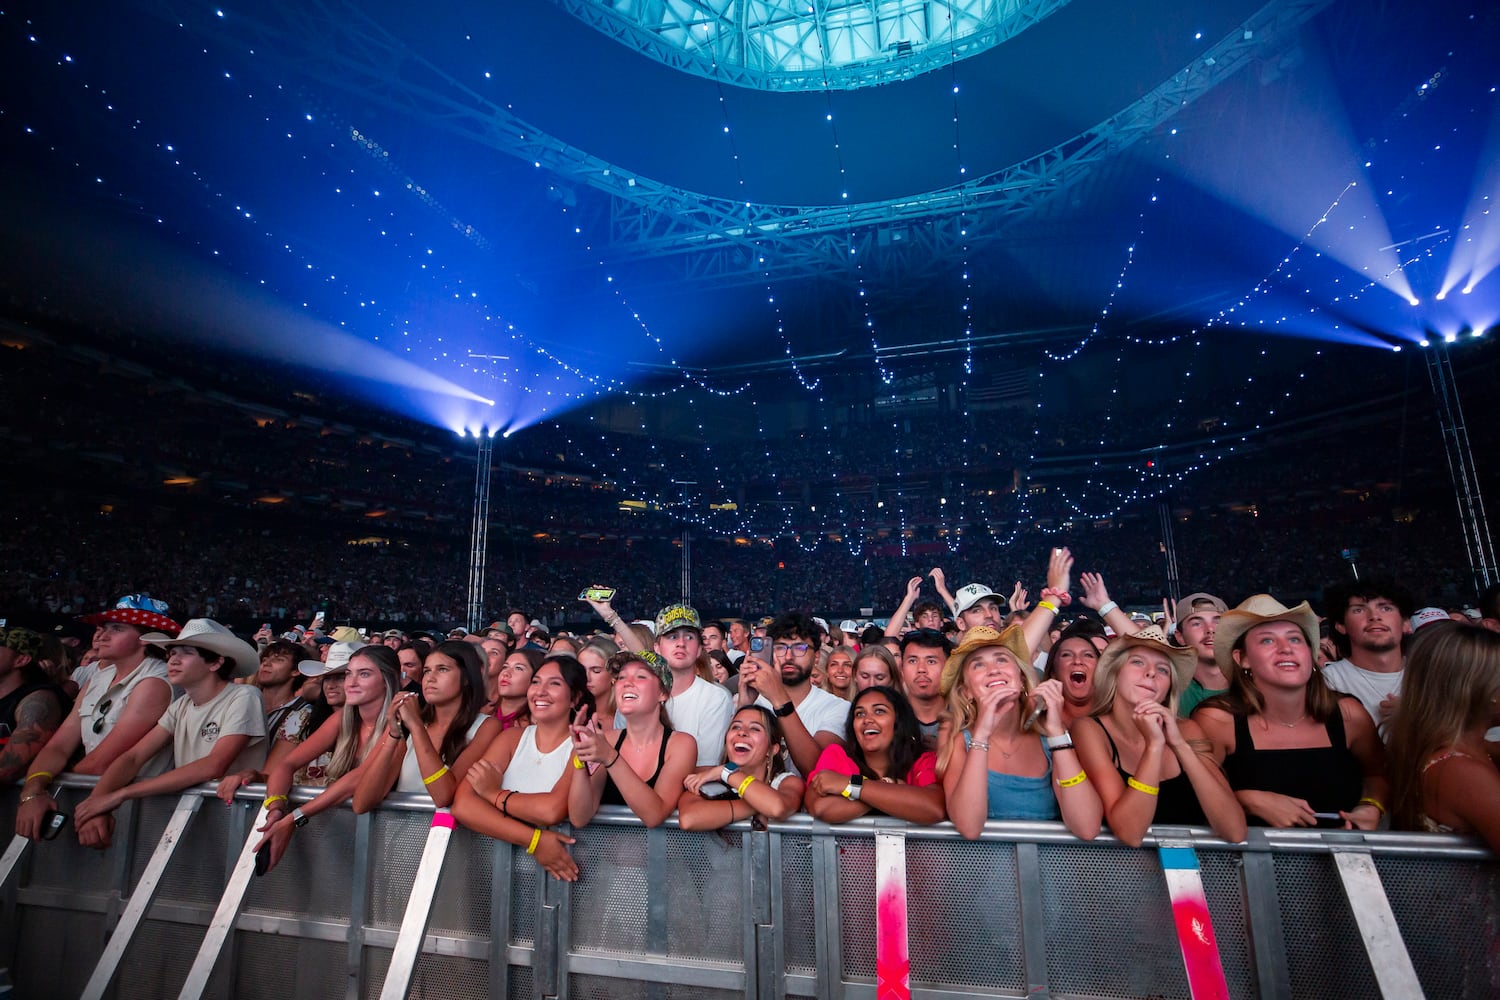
<point>970,704</point>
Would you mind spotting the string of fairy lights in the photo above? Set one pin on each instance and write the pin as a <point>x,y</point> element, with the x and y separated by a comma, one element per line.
<point>367,195</point>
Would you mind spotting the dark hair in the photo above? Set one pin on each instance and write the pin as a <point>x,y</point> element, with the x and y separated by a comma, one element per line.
<point>422,646</point>
<point>922,607</point>
<point>283,647</point>
<point>773,732</point>
<point>1086,629</point>
<point>926,638</point>
<point>906,738</point>
<point>471,696</point>
<point>1337,597</point>
<point>795,623</point>
<point>531,654</point>
<point>577,679</point>
<point>722,659</point>
<point>517,611</point>
<point>225,668</point>
<point>871,635</point>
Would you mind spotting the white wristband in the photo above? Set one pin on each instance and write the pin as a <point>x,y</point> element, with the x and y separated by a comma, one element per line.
<point>1106,608</point>
<point>1061,739</point>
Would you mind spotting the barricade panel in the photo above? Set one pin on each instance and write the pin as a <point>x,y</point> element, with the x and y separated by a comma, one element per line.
<point>797,915</point>
<point>963,914</point>
<point>1324,952</point>
<point>661,914</point>
<point>1449,915</point>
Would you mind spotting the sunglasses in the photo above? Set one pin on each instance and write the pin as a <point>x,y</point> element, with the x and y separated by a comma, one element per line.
<point>103,708</point>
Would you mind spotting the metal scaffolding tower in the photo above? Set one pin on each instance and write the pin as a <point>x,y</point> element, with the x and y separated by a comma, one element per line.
<point>1471,517</point>
<point>480,529</point>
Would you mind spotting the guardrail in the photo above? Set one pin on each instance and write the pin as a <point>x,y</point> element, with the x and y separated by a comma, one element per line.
<point>1025,911</point>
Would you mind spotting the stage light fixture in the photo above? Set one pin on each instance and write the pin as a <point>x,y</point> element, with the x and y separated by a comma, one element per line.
<point>1449,338</point>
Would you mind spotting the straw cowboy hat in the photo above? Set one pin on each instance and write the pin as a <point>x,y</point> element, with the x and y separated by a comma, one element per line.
<point>1255,611</point>
<point>205,633</point>
<point>982,637</point>
<point>1184,660</point>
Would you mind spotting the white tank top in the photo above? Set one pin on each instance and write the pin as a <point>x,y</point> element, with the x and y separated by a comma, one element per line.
<point>531,770</point>
<point>411,770</point>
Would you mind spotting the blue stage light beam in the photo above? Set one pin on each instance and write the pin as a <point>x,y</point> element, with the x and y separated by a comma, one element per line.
<point>1476,251</point>
<point>1290,155</point>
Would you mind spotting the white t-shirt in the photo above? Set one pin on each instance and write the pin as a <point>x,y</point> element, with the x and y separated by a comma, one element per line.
<point>820,712</point>
<point>236,710</point>
<point>1369,686</point>
<point>703,712</point>
<point>104,698</point>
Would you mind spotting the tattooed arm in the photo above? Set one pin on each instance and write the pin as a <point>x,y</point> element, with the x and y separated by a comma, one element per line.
<point>37,718</point>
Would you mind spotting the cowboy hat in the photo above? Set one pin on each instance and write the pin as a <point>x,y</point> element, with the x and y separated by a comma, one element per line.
<point>141,610</point>
<point>205,633</point>
<point>982,637</point>
<point>1258,610</point>
<point>1184,659</point>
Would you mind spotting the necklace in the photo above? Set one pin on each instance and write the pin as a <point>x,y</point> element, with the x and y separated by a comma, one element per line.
<point>1285,725</point>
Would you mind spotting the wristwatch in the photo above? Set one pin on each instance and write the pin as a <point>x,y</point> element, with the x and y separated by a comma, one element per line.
<point>856,785</point>
<point>727,772</point>
<point>1062,739</point>
<point>783,711</point>
<point>298,819</point>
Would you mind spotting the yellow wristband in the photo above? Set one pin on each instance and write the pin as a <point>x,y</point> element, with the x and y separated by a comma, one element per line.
<point>1048,605</point>
<point>1367,801</point>
<point>536,838</point>
<point>577,764</point>
<point>49,776</point>
<point>272,800</point>
<point>1141,786</point>
<point>740,791</point>
<point>435,775</point>
<point>1077,779</point>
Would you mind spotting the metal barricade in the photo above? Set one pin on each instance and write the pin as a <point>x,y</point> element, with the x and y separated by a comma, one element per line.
<point>1025,911</point>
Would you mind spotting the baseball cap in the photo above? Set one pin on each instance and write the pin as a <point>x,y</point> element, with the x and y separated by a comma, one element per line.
<point>1184,608</point>
<point>677,616</point>
<point>972,594</point>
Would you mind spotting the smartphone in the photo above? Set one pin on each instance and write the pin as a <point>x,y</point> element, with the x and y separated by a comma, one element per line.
<point>317,621</point>
<point>53,823</point>
<point>263,860</point>
<point>716,790</point>
<point>600,594</point>
<point>757,644</point>
<point>265,626</point>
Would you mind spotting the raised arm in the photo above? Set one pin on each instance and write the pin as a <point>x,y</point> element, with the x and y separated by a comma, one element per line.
<point>1096,598</point>
<point>895,626</point>
<point>619,626</point>
<point>1054,598</point>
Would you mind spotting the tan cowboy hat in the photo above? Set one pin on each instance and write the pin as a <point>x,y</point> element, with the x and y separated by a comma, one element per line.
<point>1184,660</point>
<point>982,637</point>
<point>205,633</point>
<point>1255,611</point>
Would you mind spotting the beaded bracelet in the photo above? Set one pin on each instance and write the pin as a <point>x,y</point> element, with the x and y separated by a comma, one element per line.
<point>1077,779</point>
<point>435,775</point>
<point>1141,786</point>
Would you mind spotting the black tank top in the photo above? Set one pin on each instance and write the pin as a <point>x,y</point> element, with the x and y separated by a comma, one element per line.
<point>1329,778</point>
<point>1176,802</point>
<point>611,795</point>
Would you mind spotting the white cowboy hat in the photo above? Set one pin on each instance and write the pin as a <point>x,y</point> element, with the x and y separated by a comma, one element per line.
<point>205,633</point>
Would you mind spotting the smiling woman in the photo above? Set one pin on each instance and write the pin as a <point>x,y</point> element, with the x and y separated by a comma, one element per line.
<point>1295,752</point>
<point>885,768</point>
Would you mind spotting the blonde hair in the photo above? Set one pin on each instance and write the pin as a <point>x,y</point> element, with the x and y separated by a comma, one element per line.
<point>1106,682</point>
<point>963,710</point>
<point>828,652</point>
<point>885,656</point>
<point>1449,689</point>
<point>347,753</point>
